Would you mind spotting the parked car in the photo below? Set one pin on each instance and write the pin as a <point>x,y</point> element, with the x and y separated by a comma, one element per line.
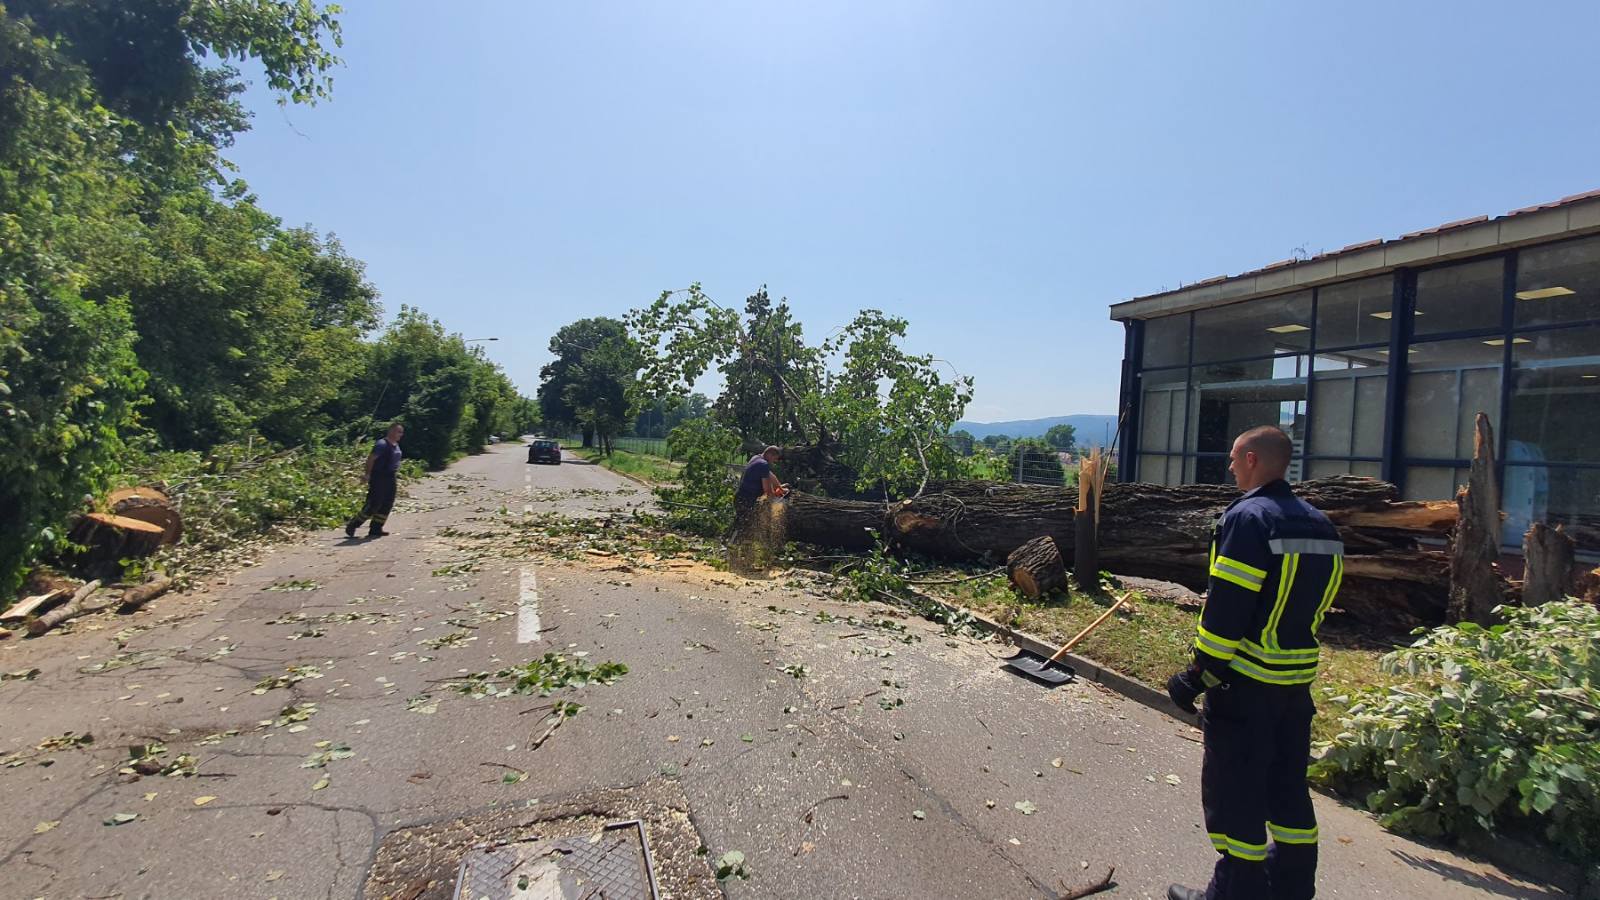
<point>544,452</point>
<point>494,438</point>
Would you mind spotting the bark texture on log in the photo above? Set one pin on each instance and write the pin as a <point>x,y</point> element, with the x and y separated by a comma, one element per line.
<point>1549,566</point>
<point>1476,587</point>
<point>136,597</point>
<point>1149,531</point>
<point>71,609</point>
<point>1036,567</point>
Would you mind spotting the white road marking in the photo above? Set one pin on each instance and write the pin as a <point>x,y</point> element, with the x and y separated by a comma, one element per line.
<point>528,608</point>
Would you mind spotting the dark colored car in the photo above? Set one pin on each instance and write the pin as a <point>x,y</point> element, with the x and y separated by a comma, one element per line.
<point>544,451</point>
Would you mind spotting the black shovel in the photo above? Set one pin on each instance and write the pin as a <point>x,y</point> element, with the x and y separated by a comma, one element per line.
<point>1052,672</point>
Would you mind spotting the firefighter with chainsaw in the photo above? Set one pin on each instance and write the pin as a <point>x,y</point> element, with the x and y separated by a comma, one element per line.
<point>1276,563</point>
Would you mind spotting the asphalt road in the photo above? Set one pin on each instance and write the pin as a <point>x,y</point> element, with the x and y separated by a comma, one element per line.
<point>898,762</point>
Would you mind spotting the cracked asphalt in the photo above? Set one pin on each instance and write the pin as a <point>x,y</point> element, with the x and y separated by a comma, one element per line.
<point>875,758</point>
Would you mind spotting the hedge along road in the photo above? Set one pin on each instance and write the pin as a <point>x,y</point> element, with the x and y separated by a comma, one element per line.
<point>879,758</point>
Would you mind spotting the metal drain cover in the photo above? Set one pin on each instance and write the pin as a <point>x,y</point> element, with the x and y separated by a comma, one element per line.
<point>613,864</point>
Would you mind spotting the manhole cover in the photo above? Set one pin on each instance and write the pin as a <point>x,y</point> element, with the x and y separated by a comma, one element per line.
<point>613,864</point>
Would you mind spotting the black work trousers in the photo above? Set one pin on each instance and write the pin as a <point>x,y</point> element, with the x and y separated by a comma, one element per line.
<point>1253,786</point>
<point>380,499</point>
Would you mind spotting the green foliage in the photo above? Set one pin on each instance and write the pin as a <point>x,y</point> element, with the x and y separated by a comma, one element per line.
<point>878,576</point>
<point>660,416</point>
<point>962,442</point>
<point>878,412</point>
<point>590,384</point>
<point>702,500</point>
<point>1497,728</point>
<point>542,676</point>
<point>1061,437</point>
<point>1034,462</point>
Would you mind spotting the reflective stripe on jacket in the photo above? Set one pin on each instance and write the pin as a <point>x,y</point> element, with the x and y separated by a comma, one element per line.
<point>1275,567</point>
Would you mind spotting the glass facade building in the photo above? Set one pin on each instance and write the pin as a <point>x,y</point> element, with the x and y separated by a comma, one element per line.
<point>1376,360</point>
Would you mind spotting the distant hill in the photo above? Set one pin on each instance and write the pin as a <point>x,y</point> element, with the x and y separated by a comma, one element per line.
<point>1092,431</point>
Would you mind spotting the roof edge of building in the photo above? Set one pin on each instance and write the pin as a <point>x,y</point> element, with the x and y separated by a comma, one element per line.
<point>1571,216</point>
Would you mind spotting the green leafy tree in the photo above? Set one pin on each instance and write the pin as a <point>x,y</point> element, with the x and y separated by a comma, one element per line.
<point>1061,437</point>
<point>105,108</point>
<point>591,383</point>
<point>872,416</point>
<point>962,442</point>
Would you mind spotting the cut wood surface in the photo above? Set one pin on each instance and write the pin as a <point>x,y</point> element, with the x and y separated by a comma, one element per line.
<point>1036,567</point>
<point>1151,531</point>
<point>73,608</point>
<point>148,505</point>
<point>112,537</point>
<point>29,605</point>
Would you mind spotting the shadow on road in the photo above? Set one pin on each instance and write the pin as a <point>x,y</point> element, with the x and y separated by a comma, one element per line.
<point>1493,884</point>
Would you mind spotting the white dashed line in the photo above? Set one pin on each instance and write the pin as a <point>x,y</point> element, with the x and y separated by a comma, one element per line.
<point>528,608</point>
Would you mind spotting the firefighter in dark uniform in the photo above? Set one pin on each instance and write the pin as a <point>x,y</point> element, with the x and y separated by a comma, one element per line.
<point>1276,563</point>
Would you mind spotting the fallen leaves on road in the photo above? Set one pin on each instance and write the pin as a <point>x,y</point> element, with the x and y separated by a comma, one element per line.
<point>424,704</point>
<point>731,865</point>
<point>43,827</point>
<point>202,801</point>
<point>20,675</point>
<point>323,757</point>
<point>292,675</point>
<point>322,782</point>
<point>1026,807</point>
<point>918,814</point>
<point>298,584</point>
<point>121,818</point>
<point>541,676</point>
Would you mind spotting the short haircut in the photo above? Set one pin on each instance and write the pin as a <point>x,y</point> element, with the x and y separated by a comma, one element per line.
<point>1270,445</point>
<point>772,448</point>
<point>393,426</point>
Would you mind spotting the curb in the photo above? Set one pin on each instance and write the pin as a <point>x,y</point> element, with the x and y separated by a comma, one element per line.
<point>1511,854</point>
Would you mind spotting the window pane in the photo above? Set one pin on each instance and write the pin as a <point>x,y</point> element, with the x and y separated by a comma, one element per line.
<point>1322,468</point>
<point>1230,398</point>
<point>1356,312</point>
<point>1450,382</point>
<point>1254,328</point>
<point>1433,483</point>
<point>1554,495</point>
<point>1348,414</point>
<point>1555,396</point>
<point>1162,410</point>
<point>1367,469</point>
<point>1166,341</point>
<point>1154,469</point>
<point>1559,283</point>
<point>1458,298</point>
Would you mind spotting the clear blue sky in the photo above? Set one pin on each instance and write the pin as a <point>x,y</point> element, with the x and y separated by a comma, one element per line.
<point>997,173</point>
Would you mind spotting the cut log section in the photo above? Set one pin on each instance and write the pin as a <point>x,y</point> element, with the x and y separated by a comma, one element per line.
<point>112,537</point>
<point>1549,572</point>
<point>1036,568</point>
<point>148,505</point>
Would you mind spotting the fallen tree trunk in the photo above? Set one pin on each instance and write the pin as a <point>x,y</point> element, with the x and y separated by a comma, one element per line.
<point>148,505</point>
<point>1152,531</point>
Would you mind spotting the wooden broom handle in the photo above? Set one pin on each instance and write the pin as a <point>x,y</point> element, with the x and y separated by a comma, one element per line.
<point>1092,626</point>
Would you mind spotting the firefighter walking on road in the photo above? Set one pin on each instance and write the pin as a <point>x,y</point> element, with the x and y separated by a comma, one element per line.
<point>1276,563</point>
<point>381,477</point>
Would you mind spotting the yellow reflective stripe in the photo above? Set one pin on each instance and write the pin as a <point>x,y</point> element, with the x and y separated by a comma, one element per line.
<point>1334,580</point>
<point>1238,848</point>
<point>1285,835</point>
<point>1297,655</point>
<point>1271,676</point>
<point>1215,644</point>
<point>1209,679</point>
<point>1246,568</point>
<point>1269,634</point>
<point>1219,572</point>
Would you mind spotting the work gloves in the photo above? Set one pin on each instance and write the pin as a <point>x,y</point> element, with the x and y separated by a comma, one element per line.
<point>1184,688</point>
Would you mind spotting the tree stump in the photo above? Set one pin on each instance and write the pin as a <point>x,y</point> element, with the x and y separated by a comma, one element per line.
<point>1476,588</point>
<point>1548,555</point>
<point>1036,568</point>
<point>148,505</point>
<point>110,538</point>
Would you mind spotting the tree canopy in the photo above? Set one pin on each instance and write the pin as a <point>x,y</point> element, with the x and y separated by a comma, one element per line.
<point>590,383</point>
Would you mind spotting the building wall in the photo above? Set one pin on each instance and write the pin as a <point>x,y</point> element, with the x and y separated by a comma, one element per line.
<point>1382,376</point>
